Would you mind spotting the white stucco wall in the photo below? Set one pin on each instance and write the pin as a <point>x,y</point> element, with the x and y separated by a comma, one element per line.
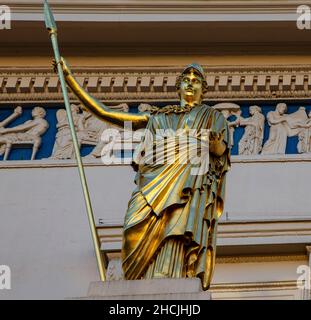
<point>44,232</point>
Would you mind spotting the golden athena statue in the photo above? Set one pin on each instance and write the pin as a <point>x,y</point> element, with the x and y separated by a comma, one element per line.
<point>171,222</point>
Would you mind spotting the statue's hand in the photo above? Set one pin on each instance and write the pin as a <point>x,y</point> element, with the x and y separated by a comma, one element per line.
<point>215,137</point>
<point>18,110</point>
<point>216,144</point>
<point>63,63</point>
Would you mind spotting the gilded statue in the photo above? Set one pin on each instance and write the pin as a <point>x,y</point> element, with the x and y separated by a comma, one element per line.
<point>171,222</point>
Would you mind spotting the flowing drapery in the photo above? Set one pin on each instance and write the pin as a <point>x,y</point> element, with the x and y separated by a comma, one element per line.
<point>171,222</point>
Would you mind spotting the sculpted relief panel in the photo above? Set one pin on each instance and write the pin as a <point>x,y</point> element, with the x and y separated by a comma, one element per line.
<point>88,128</point>
<point>251,141</point>
<point>28,133</point>
<point>282,126</point>
<point>254,130</point>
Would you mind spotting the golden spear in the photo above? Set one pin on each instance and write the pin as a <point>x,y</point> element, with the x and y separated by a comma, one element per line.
<point>52,29</point>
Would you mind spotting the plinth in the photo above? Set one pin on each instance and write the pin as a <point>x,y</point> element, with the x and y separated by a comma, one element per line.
<point>151,289</point>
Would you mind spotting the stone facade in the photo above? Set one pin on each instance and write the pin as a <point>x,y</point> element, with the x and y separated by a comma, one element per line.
<point>264,234</point>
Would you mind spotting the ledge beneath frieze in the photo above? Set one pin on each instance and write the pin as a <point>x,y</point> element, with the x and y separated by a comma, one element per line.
<point>46,163</point>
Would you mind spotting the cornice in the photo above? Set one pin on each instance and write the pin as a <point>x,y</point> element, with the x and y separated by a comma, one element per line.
<point>148,6</point>
<point>137,84</point>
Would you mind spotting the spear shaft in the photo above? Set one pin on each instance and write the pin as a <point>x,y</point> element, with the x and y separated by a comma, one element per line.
<point>52,29</point>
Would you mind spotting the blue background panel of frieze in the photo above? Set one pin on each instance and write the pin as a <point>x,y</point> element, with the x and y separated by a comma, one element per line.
<point>48,138</point>
<point>291,147</point>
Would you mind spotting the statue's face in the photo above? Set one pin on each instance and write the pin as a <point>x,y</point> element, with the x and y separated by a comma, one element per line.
<point>191,87</point>
<point>253,110</point>
<point>75,108</point>
<point>282,108</point>
<point>38,112</point>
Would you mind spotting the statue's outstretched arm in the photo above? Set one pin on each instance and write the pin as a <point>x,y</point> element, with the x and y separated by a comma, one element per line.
<point>99,109</point>
<point>17,112</point>
<point>22,127</point>
<point>247,122</point>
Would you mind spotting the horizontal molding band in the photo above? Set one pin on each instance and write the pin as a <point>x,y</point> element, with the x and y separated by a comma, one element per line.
<point>251,238</point>
<point>161,17</point>
<point>156,6</point>
<point>250,286</point>
<point>47,163</point>
<point>158,84</point>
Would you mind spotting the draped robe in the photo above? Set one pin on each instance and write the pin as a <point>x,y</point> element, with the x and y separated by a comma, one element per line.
<point>170,204</point>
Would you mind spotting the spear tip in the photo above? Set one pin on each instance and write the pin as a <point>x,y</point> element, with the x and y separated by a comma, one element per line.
<point>48,17</point>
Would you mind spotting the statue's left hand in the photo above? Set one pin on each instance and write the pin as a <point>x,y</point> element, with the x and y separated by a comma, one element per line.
<point>216,144</point>
<point>216,137</point>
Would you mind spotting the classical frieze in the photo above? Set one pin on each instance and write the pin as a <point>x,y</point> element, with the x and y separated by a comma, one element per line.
<point>247,125</point>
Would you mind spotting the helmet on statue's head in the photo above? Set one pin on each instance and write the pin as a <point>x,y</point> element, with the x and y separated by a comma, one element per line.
<point>197,69</point>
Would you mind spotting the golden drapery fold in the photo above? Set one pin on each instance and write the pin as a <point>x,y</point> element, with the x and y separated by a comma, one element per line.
<point>171,222</point>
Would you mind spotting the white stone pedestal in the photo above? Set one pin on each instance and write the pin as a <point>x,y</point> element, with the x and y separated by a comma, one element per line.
<point>153,289</point>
